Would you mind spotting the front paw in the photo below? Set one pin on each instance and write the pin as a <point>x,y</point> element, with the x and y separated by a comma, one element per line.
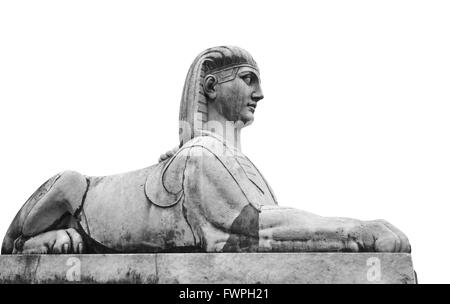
<point>64,241</point>
<point>380,236</point>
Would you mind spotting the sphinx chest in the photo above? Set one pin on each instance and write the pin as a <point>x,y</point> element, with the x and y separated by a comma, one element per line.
<point>256,179</point>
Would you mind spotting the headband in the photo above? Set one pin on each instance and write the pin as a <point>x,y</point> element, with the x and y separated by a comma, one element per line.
<point>229,72</point>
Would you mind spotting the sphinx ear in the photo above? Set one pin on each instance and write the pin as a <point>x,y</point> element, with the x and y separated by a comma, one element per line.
<point>209,87</point>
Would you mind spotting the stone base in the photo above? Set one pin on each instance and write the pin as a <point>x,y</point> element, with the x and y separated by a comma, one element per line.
<point>210,268</point>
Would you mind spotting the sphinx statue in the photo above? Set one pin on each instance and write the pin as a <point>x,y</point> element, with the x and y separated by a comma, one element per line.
<point>204,196</point>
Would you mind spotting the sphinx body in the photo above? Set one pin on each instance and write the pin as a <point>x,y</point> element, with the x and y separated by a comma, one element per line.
<point>206,197</point>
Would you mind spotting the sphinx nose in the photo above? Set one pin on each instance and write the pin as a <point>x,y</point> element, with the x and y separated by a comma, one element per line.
<point>257,95</point>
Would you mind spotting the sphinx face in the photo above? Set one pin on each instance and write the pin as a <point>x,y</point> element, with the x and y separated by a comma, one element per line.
<point>237,99</point>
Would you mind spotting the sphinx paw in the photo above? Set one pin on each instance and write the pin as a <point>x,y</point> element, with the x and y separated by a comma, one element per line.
<point>382,236</point>
<point>67,241</point>
<point>64,241</point>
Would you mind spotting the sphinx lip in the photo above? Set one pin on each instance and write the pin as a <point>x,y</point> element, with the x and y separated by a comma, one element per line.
<point>252,107</point>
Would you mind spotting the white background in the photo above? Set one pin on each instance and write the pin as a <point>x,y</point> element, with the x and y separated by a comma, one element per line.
<point>355,121</point>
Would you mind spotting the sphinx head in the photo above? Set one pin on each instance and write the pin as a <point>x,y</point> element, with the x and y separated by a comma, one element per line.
<point>223,83</point>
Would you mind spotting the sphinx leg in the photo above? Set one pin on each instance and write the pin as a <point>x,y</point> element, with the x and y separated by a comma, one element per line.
<point>47,222</point>
<point>289,229</point>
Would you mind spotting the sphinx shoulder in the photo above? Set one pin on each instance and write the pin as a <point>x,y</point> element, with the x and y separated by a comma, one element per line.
<point>164,183</point>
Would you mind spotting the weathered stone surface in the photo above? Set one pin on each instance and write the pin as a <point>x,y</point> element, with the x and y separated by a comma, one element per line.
<point>78,268</point>
<point>210,268</point>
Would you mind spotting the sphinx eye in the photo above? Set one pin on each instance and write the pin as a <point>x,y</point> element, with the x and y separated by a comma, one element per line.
<point>248,79</point>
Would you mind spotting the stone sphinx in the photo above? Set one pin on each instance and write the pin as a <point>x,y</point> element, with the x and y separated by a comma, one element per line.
<point>204,196</point>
